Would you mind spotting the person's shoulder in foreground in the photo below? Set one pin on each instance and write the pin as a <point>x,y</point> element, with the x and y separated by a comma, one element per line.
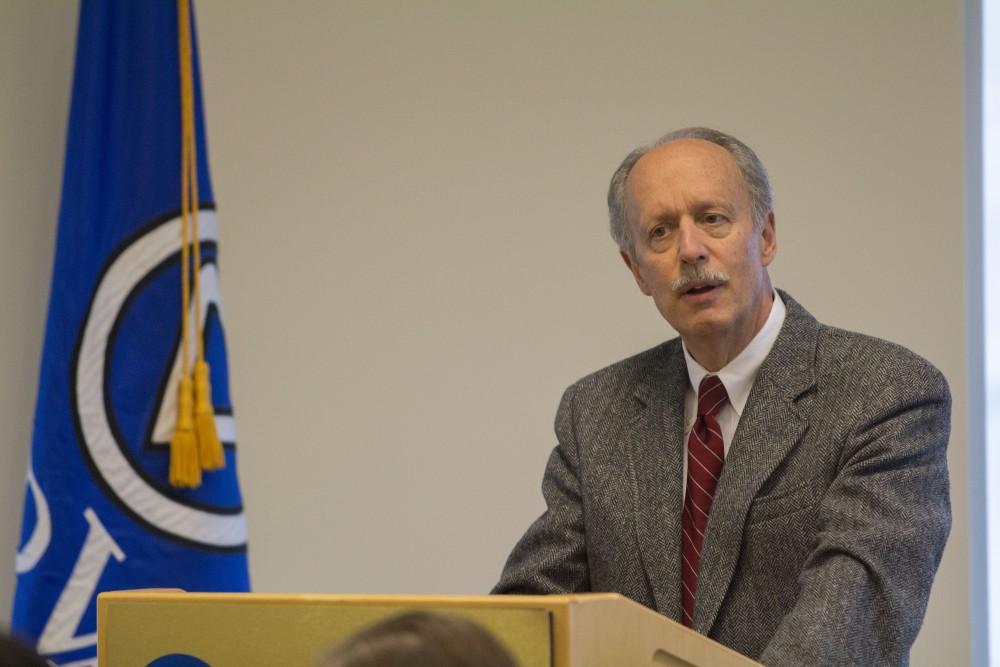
<point>814,534</point>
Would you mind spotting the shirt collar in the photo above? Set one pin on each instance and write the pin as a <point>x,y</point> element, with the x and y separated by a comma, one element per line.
<point>738,375</point>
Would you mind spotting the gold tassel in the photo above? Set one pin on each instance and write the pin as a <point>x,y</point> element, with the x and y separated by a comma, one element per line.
<point>209,447</point>
<point>185,460</point>
<point>185,469</point>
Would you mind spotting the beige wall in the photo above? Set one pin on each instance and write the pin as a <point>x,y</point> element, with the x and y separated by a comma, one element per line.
<point>415,261</point>
<point>36,60</point>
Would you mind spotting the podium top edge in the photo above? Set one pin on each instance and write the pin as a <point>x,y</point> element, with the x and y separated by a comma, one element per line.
<point>167,595</point>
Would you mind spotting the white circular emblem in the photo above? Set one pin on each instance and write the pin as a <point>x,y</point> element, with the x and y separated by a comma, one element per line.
<point>220,529</point>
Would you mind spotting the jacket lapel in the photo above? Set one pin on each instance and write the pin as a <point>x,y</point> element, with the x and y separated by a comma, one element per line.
<point>768,430</point>
<point>655,455</point>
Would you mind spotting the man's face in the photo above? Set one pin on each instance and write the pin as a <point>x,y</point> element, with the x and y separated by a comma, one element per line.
<point>695,249</point>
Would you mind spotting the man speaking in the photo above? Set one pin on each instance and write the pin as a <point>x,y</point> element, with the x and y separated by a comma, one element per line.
<point>772,482</point>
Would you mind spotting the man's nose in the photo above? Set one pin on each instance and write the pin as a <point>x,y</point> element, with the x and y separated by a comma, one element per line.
<point>691,243</point>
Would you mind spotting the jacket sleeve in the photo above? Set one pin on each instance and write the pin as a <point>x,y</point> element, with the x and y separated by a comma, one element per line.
<point>551,557</point>
<point>883,525</point>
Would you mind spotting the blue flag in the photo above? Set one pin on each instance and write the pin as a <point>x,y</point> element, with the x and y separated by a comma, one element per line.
<point>100,512</point>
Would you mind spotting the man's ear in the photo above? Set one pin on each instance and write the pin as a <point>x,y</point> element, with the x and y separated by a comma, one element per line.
<point>633,266</point>
<point>768,240</point>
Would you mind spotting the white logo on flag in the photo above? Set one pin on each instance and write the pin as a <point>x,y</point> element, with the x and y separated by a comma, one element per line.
<point>210,528</point>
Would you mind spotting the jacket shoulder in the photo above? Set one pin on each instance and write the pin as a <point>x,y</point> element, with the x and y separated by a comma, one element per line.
<point>849,360</point>
<point>842,353</point>
<point>634,376</point>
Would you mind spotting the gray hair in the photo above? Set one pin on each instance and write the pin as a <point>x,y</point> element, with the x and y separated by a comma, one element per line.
<point>752,169</point>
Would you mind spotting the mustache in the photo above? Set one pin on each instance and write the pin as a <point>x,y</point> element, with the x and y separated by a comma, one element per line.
<point>697,274</point>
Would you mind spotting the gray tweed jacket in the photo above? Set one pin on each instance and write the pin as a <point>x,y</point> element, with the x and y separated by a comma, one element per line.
<point>828,522</point>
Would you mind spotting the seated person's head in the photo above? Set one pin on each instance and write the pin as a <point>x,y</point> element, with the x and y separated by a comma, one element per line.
<point>15,654</point>
<point>421,639</point>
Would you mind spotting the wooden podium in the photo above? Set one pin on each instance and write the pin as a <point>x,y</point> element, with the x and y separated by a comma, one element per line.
<point>135,628</point>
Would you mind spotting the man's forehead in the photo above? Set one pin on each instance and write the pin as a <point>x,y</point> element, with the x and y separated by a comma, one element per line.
<point>687,156</point>
<point>693,164</point>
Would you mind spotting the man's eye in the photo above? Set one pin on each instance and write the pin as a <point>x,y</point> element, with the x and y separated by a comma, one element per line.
<point>658,232</point>
<point>714,218</point>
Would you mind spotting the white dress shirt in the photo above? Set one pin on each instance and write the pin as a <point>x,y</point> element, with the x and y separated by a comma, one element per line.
<point>737,377</point>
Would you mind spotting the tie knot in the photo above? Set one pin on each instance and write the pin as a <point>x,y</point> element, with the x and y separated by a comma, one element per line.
<point>711,396</point>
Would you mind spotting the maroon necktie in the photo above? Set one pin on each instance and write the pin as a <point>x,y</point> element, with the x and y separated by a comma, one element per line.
<point>705,455</point>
